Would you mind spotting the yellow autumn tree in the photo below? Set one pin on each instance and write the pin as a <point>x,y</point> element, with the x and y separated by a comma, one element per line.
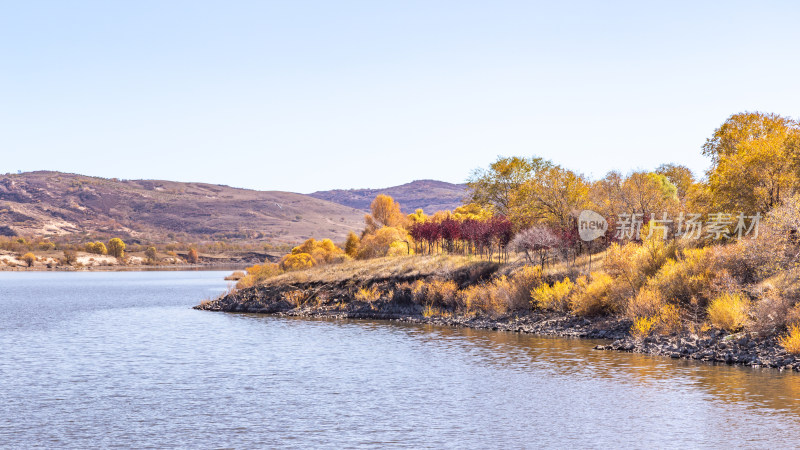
<point>116,248</point>
<point>755,162</point>
<point>418,216</point>
<point>472,211</point>
<point>553,197</point>
<point>386,241</point>
<point>351,245</point>
<point>97,248</point>
<point>29,259</point>
<point>495,187</point>
<point>384,212</point>
<point>642,193</point>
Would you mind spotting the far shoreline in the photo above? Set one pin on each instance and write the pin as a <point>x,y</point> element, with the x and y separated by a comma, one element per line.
<point>131,268</point>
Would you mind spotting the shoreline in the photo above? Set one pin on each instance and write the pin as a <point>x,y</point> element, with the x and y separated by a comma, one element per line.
<point>130,268</point>
<point>714,346</point>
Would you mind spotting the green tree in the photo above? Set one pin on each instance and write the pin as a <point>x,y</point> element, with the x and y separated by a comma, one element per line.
<point>116,248</point>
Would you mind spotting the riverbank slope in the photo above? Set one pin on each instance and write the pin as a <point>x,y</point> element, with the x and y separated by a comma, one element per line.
<point>419,290</point>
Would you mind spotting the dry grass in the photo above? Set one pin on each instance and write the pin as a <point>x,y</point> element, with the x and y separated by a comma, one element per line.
<point>573,268</point>
<point>379,268</point>
<point>296,297</point>
<point>368,294</point>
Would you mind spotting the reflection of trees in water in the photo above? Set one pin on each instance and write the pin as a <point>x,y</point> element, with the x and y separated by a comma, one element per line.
<point>576,359</point>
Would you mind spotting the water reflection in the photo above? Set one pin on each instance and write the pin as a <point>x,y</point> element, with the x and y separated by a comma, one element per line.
<point>576,359</point>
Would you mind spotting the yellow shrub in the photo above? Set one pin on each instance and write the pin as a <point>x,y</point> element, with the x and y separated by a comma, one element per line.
<point>729,312</point>
<point>669,320</point>
<point>475,298</point>
<point>419,290</point>
<point>369,294</point>
<point>430,311</point>
<point>29,259</point>
<point>500,293</point>
<point>642,327</point>
<point>791,340</point>
<point>647,303</point>
<point>691,275</point>
<point>621,262</point>
<point>592,297</point>
<point>524,281</point>
<point>322,252</point>
<point>257,274</point>
<point>298,261</point>
<point>555,297</point>
<point>443,293</point>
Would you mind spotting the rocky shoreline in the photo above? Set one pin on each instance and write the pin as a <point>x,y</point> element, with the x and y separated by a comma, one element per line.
<point>335,301</point>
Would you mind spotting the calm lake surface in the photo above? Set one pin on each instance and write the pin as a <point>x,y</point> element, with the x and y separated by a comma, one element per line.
<point>120,360</point>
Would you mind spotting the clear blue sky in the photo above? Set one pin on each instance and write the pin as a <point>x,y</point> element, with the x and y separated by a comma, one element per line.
<point>302,96</point>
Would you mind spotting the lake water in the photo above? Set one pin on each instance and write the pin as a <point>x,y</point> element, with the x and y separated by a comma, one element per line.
<point>121,360</point>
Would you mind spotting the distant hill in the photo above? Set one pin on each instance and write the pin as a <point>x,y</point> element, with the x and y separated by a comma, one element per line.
<point>54,203</point>
<point>430,195</point>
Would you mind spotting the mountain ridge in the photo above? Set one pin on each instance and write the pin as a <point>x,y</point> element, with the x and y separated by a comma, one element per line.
<point>51,203</point>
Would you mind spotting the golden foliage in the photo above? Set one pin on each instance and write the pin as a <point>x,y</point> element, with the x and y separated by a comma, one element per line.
<point>791,340</point>
<point>116,248</point>
<point>258,273</point>
<point>754,157</point>
<point>592,295</point>
<point>642,327</point>
<point>669,319</point>
<point>555,297</point>
<point>322,252</point>
<point>98,248</point>
<point>297,261</point>
<point>418,216</point>
<point>29,259</point>
<point>192,257</point>
<point>472,211</point>
<point>688,277</point>
<point>505,293</point>
<point>385,212</point>
<point>647,303</point>
<point>729,311</point>
<point>351,245</point>
<point>386,241</point>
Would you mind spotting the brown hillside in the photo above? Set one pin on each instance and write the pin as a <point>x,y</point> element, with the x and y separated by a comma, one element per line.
<point>430,195</point>
<point>54,203</point>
